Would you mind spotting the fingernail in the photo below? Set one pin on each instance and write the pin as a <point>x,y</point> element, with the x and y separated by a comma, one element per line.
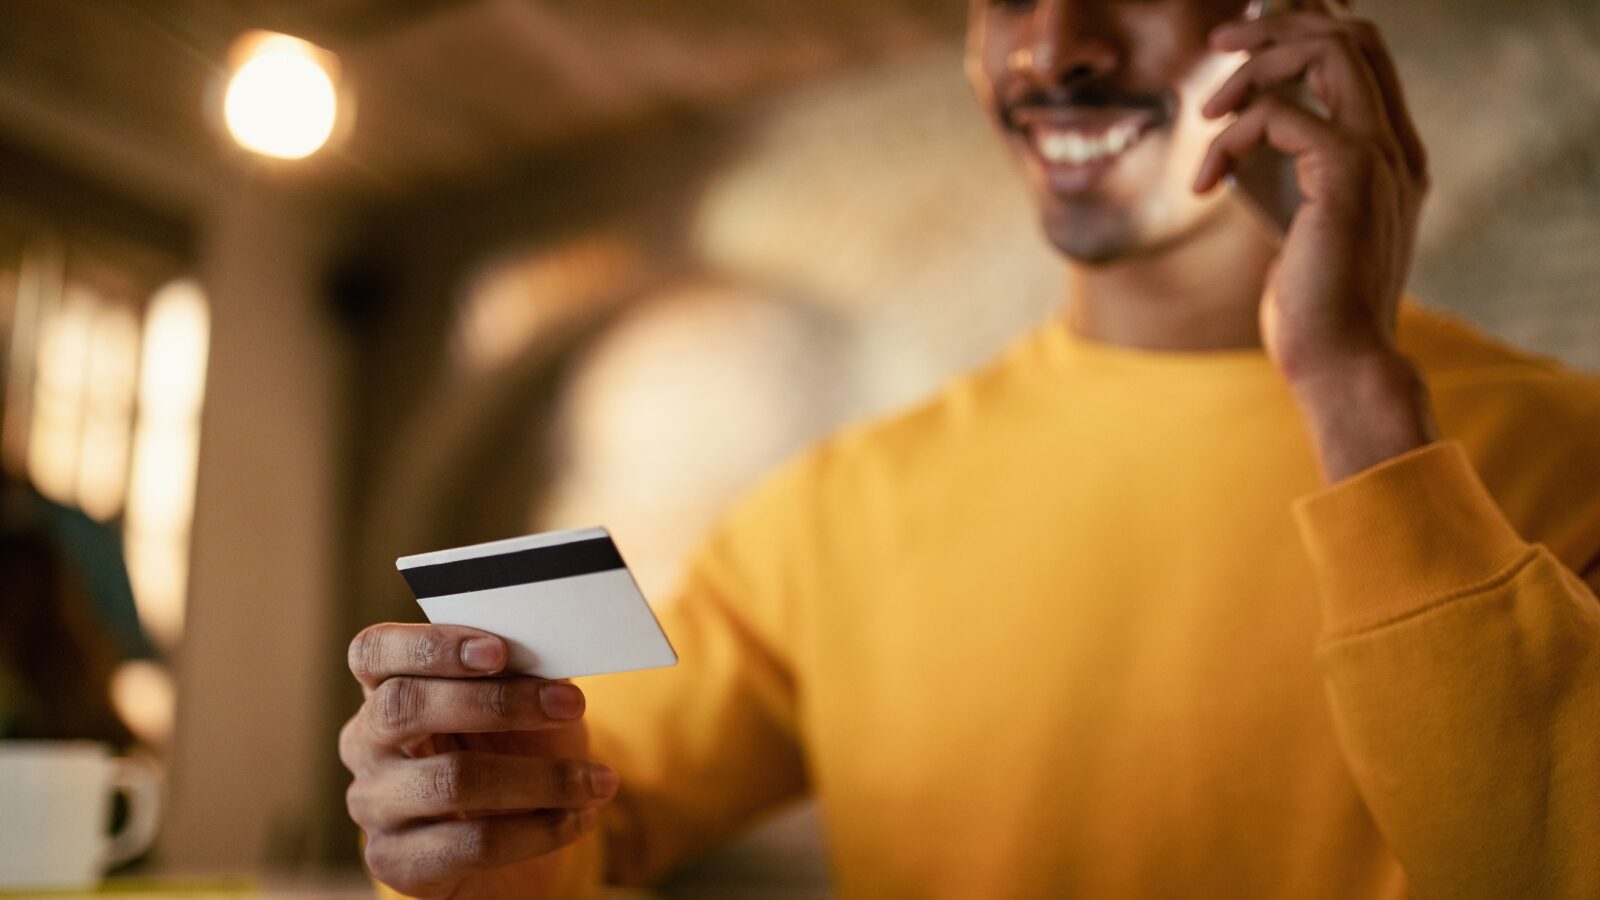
<point>561,701</point>
<point>483,654</point>
<point>603,779</point>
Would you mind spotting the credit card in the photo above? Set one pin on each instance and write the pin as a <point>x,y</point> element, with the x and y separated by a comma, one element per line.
<point>564,601</point>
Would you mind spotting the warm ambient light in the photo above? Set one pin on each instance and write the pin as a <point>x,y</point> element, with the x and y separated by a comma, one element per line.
<point>144,696</point>
<point>166,453</point>
<point>281,99</point>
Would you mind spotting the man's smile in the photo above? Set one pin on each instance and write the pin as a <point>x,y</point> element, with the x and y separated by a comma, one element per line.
<point>1075,147</point>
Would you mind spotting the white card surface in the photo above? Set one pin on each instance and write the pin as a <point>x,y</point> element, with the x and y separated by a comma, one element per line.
<point>564,601</point>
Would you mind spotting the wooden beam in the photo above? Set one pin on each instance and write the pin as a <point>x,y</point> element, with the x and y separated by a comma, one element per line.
<point>74,202</point>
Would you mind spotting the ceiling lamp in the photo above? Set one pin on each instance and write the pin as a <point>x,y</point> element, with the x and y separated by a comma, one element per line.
<point>282,96</point>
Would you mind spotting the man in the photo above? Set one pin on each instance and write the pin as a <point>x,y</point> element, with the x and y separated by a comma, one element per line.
<point>1245,579</point>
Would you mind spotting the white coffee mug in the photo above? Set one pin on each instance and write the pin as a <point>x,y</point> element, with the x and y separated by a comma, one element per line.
<point>55,812</point>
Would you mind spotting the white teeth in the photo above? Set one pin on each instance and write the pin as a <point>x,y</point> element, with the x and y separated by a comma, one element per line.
<point>1076,148</point>
<point>1117,139</point>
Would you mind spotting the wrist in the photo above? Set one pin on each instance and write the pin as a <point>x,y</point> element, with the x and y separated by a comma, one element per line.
<point>1363,410</point>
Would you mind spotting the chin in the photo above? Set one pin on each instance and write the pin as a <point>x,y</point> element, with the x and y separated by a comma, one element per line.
<point>1097,235</point>
<point>1093,237</point>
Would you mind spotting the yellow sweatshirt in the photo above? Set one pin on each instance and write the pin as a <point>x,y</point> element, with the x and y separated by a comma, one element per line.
<point>1087,624</point>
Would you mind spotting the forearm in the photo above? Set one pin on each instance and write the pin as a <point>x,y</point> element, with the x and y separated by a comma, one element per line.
<point>1363,410</point>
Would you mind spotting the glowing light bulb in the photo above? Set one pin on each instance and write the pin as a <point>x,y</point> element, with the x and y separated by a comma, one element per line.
<point>281,100</point>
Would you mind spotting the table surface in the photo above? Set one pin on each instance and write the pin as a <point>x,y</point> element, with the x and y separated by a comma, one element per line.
<point>355,886</point>
<point>332,887</point>
<point>352,886</point>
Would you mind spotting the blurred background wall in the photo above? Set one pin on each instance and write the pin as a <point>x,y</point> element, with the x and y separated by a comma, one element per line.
<point>568,264</point>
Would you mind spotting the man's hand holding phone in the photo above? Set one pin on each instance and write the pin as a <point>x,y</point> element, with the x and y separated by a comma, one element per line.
<point>1330,308</point>
<point>462,773</point>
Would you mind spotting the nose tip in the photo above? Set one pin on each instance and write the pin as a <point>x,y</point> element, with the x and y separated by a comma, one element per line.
<point>1027,62</point>
<point>1068,41</point>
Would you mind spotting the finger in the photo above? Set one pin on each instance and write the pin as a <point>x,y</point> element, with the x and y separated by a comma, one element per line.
<point>1351,82</point>
<point>1394,99</point>
<point>363,754</point>
<point>1338,9</point>
<point>1381,62</point>
<point>430,858</point>
<point>403,708</point>
<point>358,751</point>
<point>444,651</point>
<point>1334,71</point>
<point>1253,34</point>
<point>413,790</point>
<point>1318,147</point>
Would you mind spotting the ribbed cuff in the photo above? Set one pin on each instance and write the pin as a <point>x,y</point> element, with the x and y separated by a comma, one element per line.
<point>1403,534</point>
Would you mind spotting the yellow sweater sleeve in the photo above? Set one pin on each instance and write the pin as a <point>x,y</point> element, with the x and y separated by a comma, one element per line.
<point>1463,669</point>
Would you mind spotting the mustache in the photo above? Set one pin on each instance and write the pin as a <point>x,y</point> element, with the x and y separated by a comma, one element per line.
<point>1087,95</point>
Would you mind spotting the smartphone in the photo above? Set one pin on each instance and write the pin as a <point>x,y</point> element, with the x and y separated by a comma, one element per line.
<point>1265,179</point>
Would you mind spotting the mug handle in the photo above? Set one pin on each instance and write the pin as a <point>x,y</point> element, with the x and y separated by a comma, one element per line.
<point>140,782</point>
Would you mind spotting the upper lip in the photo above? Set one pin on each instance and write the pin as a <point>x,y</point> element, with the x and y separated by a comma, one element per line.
<point>1078,118</point>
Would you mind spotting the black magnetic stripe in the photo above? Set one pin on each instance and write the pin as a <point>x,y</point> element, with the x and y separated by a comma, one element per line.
<point>519,567</point>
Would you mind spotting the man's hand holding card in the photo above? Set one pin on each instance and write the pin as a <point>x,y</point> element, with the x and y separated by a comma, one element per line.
<point>470,759</point>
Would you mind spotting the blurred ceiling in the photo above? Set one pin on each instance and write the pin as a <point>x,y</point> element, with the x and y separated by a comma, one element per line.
<point>119,90</point>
